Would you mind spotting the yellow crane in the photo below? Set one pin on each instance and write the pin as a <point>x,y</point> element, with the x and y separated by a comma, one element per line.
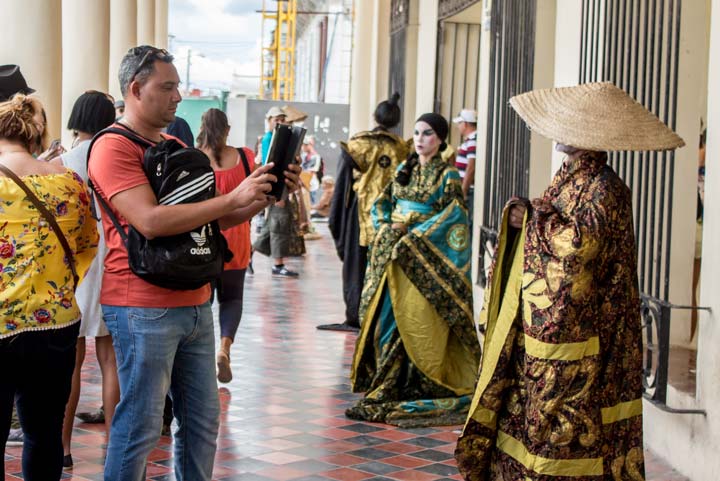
<point>277,79</point>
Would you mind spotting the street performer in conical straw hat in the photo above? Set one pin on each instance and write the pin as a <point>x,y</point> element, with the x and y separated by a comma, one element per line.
<point>559,396</point>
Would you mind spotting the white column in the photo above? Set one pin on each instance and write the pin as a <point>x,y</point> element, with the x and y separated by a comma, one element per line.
<point>427,56</point>
<point>541,148</point>
<point>567,51</point>
<point>123,36</point>
<point>361,58</point>
<point>31,38</point>
<point>380,63</point>
<point>483,96</point>
<point>411,68</point>
<point>85,53</point>
<point>161,23</point>
<point>146,22</point>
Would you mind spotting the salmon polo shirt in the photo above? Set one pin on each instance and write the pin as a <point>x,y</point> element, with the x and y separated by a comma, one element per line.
<point>116,166</point>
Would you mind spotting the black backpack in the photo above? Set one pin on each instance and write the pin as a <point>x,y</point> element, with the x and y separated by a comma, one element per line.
<point>177,175</point>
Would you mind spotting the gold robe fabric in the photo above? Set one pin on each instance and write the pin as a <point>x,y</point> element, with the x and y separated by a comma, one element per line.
<point>376,155</point>
<point>560,386</point>
<point>417,353</point>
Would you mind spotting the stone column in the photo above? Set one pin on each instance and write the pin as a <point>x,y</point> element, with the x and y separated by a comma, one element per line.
<point>483,107</point>
<point>146,22</point>
<point>161,23</point>
<point>361,58</point>
<point>541,148</point>
<point>411,68</point>
<point>426,55</point>
<point>123,36</point>
<point>31,38</point>
<point>85,53</point>
<point>380,63</point>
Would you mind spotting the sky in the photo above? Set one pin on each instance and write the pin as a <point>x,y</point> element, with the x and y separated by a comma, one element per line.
<point>223,37</point>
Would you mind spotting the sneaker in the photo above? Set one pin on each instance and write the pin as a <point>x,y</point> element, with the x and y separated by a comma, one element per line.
<point>283,272</point>
<point>67,461</point>
<point>94,417</point>
<point>224,374</point>
<point>15,438</point>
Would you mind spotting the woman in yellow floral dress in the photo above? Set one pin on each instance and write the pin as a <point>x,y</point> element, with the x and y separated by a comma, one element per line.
<point>417,354</point>
<point>39,318</point>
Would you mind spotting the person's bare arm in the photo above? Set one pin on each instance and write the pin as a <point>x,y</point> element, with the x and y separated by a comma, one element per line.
<point>243,214</point>
<point>139,206</point>
<point>469,178</point>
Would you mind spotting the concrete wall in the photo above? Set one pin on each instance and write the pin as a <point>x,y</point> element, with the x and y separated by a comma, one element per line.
<point>192,108</point>
<point>691,443</point>
<point>236,111</point>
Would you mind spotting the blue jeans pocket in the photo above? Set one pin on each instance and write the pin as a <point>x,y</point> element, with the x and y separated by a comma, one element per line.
<point>110,319</point>
<point>147,313</point>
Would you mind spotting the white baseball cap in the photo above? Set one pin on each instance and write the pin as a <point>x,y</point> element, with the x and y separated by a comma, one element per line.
<point>275,111</point>
<point>466,115</point>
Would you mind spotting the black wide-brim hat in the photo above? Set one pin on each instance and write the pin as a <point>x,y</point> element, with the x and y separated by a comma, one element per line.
<point>12,82</point>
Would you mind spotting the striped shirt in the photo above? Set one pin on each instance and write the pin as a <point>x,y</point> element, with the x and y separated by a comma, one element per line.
<point>465,153</point>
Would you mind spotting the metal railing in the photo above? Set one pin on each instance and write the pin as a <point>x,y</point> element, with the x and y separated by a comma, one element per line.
<point>507,155</point>
<point>635,45</point>
<point>656,316</point>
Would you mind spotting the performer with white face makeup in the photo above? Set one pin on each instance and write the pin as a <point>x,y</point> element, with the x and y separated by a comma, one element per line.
<point>417,353</point>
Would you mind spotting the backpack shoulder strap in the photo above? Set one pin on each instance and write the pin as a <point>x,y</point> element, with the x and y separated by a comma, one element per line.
<point>244,159</point>
<point>96,195</point>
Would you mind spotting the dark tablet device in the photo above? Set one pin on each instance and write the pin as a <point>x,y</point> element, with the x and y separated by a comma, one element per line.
<point>284,148</point>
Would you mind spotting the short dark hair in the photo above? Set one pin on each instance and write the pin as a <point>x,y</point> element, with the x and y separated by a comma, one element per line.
<point>92,112</point>
<point>387,113</point>
<point>138,63</point>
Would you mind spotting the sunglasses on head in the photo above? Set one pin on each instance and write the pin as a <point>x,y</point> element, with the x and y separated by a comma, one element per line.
<point>151,54</point>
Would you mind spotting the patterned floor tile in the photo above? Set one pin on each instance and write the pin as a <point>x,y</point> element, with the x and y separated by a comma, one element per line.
<point>283,414</point>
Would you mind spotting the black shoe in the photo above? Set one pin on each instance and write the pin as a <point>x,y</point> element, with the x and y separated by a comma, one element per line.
<point>94,417</point>
<point>67,461</point>
<point>284,272</point>
<point>344,327</point>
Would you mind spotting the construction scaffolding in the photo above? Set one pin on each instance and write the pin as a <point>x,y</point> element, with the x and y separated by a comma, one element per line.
<point>277,80</point>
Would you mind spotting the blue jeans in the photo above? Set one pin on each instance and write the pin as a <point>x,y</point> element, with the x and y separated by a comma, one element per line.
<point>161,349</point>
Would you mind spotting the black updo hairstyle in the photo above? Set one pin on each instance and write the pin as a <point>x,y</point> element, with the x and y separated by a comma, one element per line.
<point>387,113</point>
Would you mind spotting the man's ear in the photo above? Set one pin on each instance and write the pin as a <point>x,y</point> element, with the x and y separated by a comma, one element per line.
<point>134,89</point>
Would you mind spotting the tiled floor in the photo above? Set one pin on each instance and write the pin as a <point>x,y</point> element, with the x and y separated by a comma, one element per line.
<point>282,415</point>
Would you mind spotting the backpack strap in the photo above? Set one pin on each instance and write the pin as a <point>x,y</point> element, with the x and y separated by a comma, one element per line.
<point>49,217</point>
<point>144,143</point>
<point>244,159</point>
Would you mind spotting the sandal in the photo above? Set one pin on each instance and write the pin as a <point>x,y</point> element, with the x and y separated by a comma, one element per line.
<point>223,366</point>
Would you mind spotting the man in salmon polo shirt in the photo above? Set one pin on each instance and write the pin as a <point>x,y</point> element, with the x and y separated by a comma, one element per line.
<point>163,338</point>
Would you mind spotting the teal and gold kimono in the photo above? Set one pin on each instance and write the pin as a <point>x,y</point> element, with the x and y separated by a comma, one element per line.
<point>559,397</point>
<point>417,354</point>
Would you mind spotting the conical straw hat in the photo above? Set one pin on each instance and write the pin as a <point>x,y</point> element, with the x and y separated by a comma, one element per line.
<point>293,114</point>
<point>594,116</point>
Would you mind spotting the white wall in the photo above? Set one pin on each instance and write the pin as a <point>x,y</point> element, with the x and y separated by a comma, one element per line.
<point>541,148</point>
<point>237,117</point>
<point>567,52</point>
<point>426,58</point>
<point>691,443</point>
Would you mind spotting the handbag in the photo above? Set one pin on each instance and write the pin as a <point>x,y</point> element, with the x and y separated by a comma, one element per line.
<point>49,218</point>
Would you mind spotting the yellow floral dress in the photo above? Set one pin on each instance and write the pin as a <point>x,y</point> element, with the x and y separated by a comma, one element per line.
<point>36,283</point>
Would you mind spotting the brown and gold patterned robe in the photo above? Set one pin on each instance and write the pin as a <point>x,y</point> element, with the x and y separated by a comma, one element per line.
<point>559,393</point>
